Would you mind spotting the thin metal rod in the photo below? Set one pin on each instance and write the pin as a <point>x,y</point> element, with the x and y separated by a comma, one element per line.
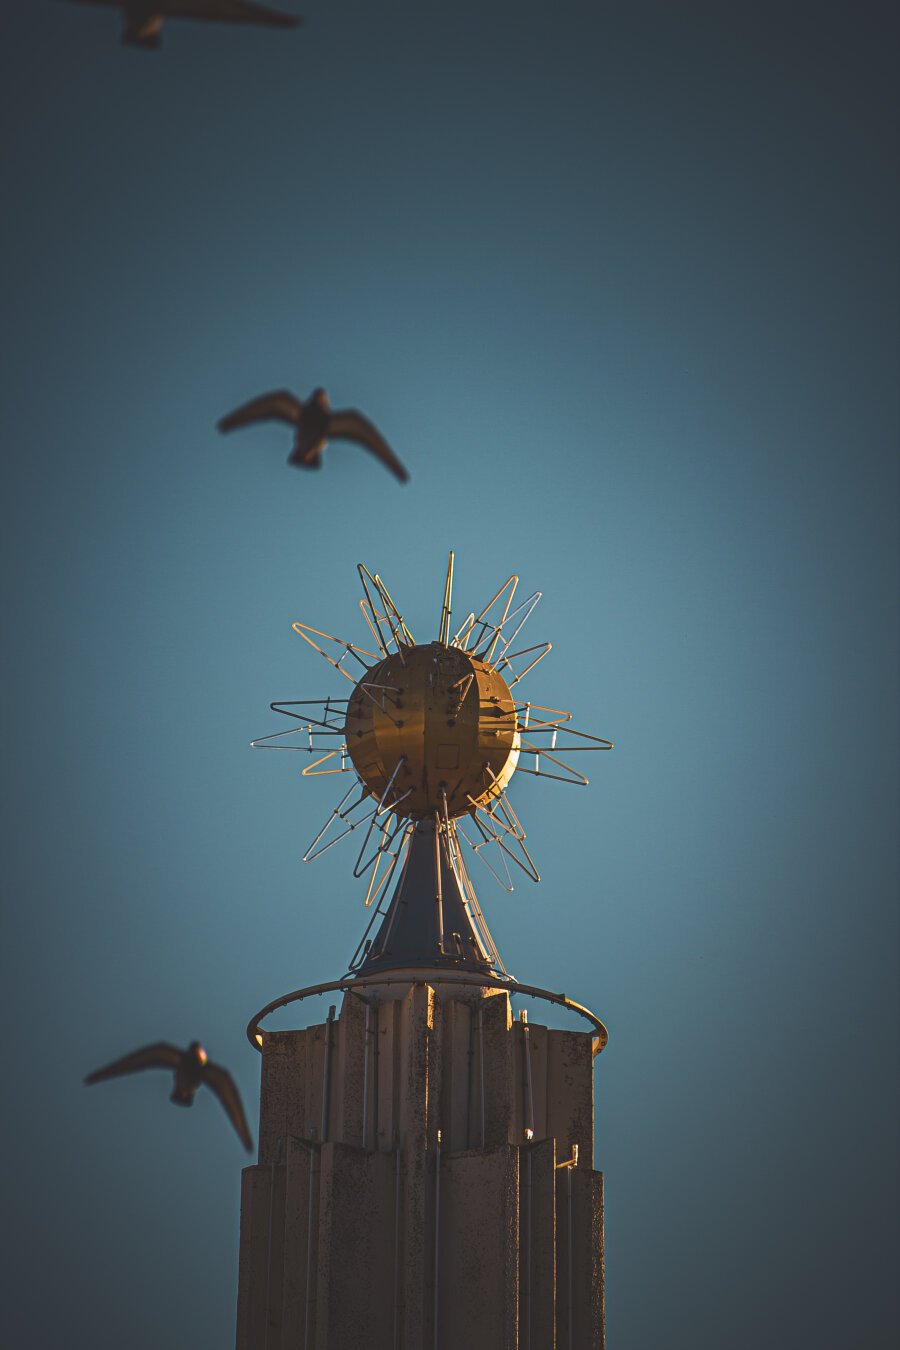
<point>471,1080</point>
<point>439,894</point>
<point>376,891</point>
<point>376,632</point>
<point>310,1296</point>
<point>268,1312</point>
<point>397,1249</point>
<point>437,1236</point>
<point>528,1246</point>
<point>379,810</point>
<point>570,1258</point>
<point>365,1094</point>
<point>479,619</point>
<point>391,608</point>
<point>489,652</point>
<point>326,1077</point>
<point>376,1052</point>
<point>477,849</point>
<point>361,951</point>
<point>339,705</point>
<point>350,649</point>
<point>344,815</point>
<point>488,951</point>
<point>481,1063</point>
<point>365,688</point>
<point>389,831</point>
<point>490,832</point>
<point>529,1092</point>
<point>596,742</point>
<point>390,927</point>
<point>573,776</point>
<point>486,948</point>
<point>378,617</point>
<point>528,605</point>
<point>444,634</point>
<point>313,770</point>
<point>543,649</point>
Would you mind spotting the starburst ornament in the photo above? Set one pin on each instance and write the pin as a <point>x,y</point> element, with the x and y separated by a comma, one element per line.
<point>432,735</point>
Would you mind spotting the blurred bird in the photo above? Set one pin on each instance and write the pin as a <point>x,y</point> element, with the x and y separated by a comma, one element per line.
<point>316,425</point>
<point>142,19</point>
<point>192,1068</point>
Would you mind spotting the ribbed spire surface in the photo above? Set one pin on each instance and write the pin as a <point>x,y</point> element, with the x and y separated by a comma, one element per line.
<point>428,922</point>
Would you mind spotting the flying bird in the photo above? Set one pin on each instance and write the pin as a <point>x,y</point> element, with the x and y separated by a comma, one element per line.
<point>143,19</point>
<point>316,425</point>
<point>192,1068</point>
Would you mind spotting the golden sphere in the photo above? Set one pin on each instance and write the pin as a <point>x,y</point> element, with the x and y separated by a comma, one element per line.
<point>448,716</point>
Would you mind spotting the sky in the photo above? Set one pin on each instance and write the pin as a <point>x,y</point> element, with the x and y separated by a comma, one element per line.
<point>619,283</point>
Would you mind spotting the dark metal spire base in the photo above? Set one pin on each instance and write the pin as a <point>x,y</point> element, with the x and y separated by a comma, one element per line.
<point>429,921</point>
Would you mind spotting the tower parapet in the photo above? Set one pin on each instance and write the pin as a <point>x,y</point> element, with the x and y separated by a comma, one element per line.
<point>425,1178</point>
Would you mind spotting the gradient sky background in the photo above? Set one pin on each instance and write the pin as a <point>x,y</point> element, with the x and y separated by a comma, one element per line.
<point>620,284</point>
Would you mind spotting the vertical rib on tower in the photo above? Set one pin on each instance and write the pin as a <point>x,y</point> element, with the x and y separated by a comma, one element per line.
<point>425,1177</point>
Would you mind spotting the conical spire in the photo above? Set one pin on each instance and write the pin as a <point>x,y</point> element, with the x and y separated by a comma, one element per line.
<point>430,921</point>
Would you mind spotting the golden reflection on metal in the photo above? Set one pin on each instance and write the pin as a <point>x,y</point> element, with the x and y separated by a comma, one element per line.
<point>451,715</point>
<point>432,730</point>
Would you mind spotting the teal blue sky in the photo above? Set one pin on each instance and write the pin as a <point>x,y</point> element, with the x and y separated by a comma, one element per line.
<point>620,285</point>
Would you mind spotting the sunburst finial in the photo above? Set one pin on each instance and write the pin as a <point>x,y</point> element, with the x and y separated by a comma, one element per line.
<point>433,732</point>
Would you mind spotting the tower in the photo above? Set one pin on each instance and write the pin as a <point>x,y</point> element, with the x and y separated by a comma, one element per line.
<point>425,1174</point>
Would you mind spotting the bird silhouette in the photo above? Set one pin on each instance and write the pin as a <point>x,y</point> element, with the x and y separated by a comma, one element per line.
<point>316,425</point>
<point>143,19</point>
<point>192,1068</point>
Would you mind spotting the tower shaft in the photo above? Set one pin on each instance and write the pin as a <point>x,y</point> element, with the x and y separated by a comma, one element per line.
<point>425,1180</point>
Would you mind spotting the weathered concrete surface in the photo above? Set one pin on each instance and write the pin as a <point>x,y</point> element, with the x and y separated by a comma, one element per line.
<point>579,1321</point>
<point>416,1130</point>
<point>348,1074</point>
<point>570,1094</point>
<point>262,1238</point>
<point>500,1096</point>
<point>456,1079</point>
<point>284,1085</point>
<point>356,1250</point>
<point>587,1211</point>
<point>537,1247</point>
<point>478,1277</point>
<point>299,1218</point>
<point>338,1236</point>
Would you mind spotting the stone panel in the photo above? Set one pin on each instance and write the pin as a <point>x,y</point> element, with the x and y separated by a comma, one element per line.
<point>456,1085</point>
<point>355,1306</point>
<point>262,1258</point>
<point>417,1102</point>
<point>587,1210</point>
<point>498,1070</point>
<point>570,1094</point>
<point>348,1072</point>
<point>537,1247</point>
<point>300,1222</point>
<point>282,1090</point>
<point>478,1286</point>
<point>579,1204</point>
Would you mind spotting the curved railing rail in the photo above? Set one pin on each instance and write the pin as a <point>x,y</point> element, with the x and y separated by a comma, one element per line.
<point>356,985</point>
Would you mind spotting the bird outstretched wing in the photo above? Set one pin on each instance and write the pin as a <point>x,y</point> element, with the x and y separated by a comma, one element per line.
<point>158,1056</point>
<point>279,406</point>
<point>223,1085</point>
<point>350,425</point>
<point>230,11</point>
